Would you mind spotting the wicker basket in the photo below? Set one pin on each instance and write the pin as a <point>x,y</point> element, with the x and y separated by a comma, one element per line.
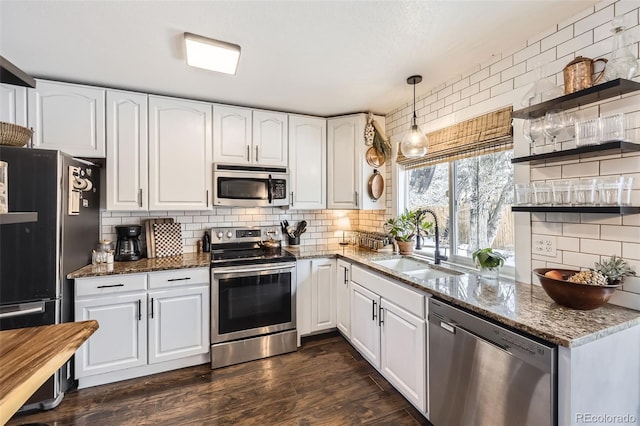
<point>14,135</point>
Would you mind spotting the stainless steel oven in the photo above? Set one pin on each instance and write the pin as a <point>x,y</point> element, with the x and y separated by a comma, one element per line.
<point>253,299</point>
<point>250,186</point>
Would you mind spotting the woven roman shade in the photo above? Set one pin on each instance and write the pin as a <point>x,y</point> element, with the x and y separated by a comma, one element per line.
<point>487,133</point>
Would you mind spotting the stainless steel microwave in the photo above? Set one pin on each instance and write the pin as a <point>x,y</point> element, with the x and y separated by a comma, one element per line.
<point>250,186</point>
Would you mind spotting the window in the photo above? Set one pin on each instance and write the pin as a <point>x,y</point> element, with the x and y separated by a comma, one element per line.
<point>479,214</point>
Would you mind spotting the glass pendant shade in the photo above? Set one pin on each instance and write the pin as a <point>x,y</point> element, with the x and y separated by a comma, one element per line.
<point>414,143</point>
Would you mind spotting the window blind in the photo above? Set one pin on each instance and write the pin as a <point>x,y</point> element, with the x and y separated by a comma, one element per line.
<point>485,134</point>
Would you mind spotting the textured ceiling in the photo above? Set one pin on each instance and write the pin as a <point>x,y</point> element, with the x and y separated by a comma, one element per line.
<point>315,57</point>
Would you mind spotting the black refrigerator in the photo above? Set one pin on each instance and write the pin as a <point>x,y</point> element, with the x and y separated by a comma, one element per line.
<point>36,256</point>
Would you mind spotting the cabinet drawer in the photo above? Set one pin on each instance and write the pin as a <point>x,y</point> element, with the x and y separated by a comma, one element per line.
<point>178,277</point>
<point>395,292</point>
<point>110,284</point>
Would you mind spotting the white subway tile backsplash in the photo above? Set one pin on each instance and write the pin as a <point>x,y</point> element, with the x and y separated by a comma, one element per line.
<point>513,71</point>
<point>631,284</point>
<point>580,230</point>
<point>626,299</point>
<point>568,243</point>
<point>490,82</point>
<point>546,228</point>
<point>501,65</point>
<point>596,19</point>
<point>630,234</point>
<point>575,45</point>
<point>579,260</point>
<point>546,173</point>
<point>505,87</point>
<point>631,251</point>
<point>604,248</point>
<point>556,38</point>
<point>600,219</point>
<point>620,165</point>
<point>479,97</point>
<point>577,170</point>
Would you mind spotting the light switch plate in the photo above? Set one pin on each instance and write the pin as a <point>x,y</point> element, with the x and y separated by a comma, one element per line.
<point>544,245</point>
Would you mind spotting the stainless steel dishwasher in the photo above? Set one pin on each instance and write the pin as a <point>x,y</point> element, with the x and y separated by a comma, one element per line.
<point>483,374</point>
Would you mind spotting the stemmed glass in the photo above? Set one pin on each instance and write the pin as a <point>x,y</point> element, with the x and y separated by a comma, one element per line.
<point>554,122</point>
<point>526,132</point>
<point>537,129</point>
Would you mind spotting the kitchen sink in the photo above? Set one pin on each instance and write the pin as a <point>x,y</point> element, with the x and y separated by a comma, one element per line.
<point>431,274</point>
<point>402,264</point>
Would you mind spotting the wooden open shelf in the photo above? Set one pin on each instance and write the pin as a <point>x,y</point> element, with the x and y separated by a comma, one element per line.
<point>606,148</point>
<point>617,210</point>
<point>596,93</point>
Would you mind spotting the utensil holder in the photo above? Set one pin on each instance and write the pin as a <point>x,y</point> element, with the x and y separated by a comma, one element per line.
<point>294,241</point>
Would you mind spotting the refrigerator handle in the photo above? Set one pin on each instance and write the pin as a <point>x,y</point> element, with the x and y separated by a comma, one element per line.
<point>22,309</point>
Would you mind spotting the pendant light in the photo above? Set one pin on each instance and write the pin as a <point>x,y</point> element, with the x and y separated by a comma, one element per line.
<point>414,144</point>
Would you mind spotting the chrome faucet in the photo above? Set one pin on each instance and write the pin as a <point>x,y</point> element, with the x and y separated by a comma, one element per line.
<point>437,257</point>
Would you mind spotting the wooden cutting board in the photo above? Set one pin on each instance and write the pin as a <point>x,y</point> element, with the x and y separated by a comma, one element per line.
<point>148,229</point>
<point>167,239</point>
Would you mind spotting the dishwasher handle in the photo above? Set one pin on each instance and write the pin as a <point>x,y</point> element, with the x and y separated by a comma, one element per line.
<point>484,339</point>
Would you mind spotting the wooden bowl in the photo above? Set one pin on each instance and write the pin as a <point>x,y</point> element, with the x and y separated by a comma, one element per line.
<point>573,295</point>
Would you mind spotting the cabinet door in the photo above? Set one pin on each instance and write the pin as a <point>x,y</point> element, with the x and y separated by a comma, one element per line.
<point>365,332</point>
<point>13,104</point>
<point>404,352</point>
<point>179,154</point>
<point>323,294</point>
<point>270,138</point>
<point>344,135</point>
<point>308,162</point>
<point>178,323</point>
<point>303,297</point>
<point>68,117</point>
<point>121,340</point>
<point>343,308</point>
<point>127,156</point>
<point>231,135</point>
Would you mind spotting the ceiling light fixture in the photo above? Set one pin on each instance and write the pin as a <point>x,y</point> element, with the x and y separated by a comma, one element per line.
<point>210,54</point>
<point>414,144</point>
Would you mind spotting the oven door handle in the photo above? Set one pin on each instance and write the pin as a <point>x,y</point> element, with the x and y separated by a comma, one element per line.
<point>254,269</point>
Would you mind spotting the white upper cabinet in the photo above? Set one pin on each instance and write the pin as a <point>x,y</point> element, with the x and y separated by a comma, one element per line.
<point>243,136</point>
<point>180,154</point>
<point>127,151</point>
<point>231,135</point>
<point>343,137</point>
<point>307,162</point>
<point>68,117</point>
<point>270,138</point>
<point>13,104</point>
<point>348,173</point>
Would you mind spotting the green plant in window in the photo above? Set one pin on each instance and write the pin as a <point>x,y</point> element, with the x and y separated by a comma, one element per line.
<point>404,227</point>
<point>486,258</point>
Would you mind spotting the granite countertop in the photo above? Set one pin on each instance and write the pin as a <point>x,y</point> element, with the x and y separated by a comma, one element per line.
<point>187,260</point>
<point>524,307</point>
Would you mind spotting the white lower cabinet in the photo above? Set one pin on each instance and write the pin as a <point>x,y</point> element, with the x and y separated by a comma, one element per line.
<point>148,323</point>
<point>177,323</point>
<point>315,297</point>
<point>343,297</point>
<point>121,340</point>
<point>388,328</point>
<point>365,330</point>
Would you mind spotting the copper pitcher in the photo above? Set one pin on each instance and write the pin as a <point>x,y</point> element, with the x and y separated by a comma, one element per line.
<point>578,74</point>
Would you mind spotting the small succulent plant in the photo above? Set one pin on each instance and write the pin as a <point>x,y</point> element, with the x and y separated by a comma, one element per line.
<point>615,269</point>
<point>486,258</point>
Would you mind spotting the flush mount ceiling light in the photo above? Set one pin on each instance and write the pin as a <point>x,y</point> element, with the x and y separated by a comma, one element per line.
<point>414,144</point>
<point>211,54</point>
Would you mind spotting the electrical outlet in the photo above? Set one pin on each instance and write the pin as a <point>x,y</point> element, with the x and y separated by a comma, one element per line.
<point>544,245</point>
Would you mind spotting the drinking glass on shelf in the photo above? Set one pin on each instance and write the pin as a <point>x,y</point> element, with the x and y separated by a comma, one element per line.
<point>536,130</point>
<point>554,122</point>
<point>526,132</point>
<point>611,128</point>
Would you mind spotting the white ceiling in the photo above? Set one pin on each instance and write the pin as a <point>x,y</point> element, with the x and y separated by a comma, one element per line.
<point>316,57</point>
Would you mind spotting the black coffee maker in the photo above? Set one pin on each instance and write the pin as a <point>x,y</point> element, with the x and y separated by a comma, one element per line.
<point>128,244</point>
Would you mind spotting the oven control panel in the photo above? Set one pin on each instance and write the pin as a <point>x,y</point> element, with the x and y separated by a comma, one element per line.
<point>245,235</point>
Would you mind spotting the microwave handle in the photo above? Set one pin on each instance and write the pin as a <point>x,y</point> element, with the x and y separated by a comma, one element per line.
<point>270,189</point>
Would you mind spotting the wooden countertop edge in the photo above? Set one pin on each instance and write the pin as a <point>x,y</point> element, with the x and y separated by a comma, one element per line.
<point>29,356</point>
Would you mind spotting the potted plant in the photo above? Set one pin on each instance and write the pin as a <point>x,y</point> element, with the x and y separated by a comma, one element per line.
<point>488,261</point>
<point>404,229</point>
<point>614,270</point>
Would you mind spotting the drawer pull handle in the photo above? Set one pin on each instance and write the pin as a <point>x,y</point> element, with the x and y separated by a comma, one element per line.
<point>152,307</point>
<point>139,310</point>
<point>179,279</point>
<point>373,311</point>
<point>111,285</point>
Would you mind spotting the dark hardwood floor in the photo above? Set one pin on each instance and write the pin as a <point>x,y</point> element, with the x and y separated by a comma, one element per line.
<point>326,382</point>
